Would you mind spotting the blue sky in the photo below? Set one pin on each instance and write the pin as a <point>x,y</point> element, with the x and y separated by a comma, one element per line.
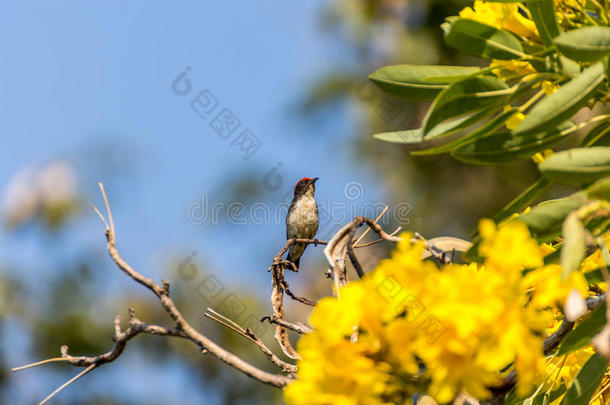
<point>90,82</point>
<point>81,76</point>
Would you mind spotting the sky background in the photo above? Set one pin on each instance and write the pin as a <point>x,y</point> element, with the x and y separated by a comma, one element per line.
<point>91,83</point>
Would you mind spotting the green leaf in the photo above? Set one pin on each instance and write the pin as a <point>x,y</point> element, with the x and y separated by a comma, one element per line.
<point>522,200</point>
<point>582,334</point>
<point>586,44</point>
<point>574,247</point>
<point>505,146</point>
<point>599,135</point>
<point>483,40</point>
<point>543,14</point>
<point>586,382</point>
<point>464,96</point>
<point>599,190</point>
<point>569,67</point>
<point>549,215</point>
<point>577,166</point>
<point>490,127</point>
<point>413,138</point>
<point>417,82</point>
<point>563,103</point>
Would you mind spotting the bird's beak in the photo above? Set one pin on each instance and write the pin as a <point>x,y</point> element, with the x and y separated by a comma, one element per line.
<point>314,179</point>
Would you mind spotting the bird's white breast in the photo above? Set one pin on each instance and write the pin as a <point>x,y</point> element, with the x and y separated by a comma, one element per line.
<point>305,214</point>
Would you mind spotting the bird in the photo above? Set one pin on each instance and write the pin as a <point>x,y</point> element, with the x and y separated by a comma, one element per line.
<point>302,217</point>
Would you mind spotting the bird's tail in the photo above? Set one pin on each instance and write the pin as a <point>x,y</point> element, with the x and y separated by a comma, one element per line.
<point>295,252</point>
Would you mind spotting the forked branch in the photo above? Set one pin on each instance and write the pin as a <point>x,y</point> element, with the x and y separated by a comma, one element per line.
<point>181,328</point>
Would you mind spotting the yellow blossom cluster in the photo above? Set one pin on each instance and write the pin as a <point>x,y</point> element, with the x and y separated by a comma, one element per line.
<point>411,327</point>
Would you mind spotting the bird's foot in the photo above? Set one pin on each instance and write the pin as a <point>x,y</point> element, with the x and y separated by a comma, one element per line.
<point>316,241</point>
<point>289,265</point>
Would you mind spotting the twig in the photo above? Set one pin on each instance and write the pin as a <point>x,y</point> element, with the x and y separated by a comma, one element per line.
<point>336,249</point>
<point>38,363</point>
<point>368,229</point>
<point>107,207</point>
<point>294,326</point>
<point>354,259</point>
<point>249,334</point>
<point>377,240</point>
<point>73,379</point>
<point>302,300</point>
<point>215,316</point>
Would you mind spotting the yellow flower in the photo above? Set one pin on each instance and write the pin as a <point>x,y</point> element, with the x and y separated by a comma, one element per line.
<point>514,121</point>
<point>548,87</point>
<point>509,69</point>
<point>569,3</point>
<point>563,369</point>
<point>502,16</point>
<point>541,156</point>
<point>466,323</point>
<point>549,289</point>
<point>509,248</point>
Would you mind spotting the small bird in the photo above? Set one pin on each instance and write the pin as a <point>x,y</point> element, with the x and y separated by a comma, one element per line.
<point>302,217</point>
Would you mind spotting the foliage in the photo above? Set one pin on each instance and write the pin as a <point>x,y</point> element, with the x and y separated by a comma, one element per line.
<point>410,327</point>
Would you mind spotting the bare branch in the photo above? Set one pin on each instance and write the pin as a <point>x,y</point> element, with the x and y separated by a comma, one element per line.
<point>162,292</point>
<point>277,302</point>
<point>368,229</point>
<point>111,228</point>
<point>73,379</point>
<point>354,259</point>
<point>378,240</point>
<point>182,329</point>
<point>295,326</point>
<point>336,249</point>
<point>249,334</point>
<point>302,300</point>
<point>38,363</point>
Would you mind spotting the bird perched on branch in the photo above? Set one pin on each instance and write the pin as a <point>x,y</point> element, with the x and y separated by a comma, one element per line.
<point>302,217</point>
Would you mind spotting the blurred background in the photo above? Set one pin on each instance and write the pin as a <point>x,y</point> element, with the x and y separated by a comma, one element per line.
<point>199,118</point>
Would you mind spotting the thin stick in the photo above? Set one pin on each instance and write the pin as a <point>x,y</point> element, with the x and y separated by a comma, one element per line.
<point>294,326</point>
<point>295,297</point>
<point>248,334</point>
<point>76,377</point>
<point>208,309</point>
<point>368,229</point>
<point>223,320</point>
<point>378,240</point>
<point>99,214</point>
<point>107,207</point>
<point>38,363</point>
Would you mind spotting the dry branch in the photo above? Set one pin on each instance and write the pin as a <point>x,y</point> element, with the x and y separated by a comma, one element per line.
<point>181,329</point>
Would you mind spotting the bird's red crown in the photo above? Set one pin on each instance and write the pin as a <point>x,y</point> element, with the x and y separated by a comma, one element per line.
<point>304,178</point>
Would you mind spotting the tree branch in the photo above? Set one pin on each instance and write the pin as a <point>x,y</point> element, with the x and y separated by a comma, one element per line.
<point>294,326</point>
<point>182,328</point>
<point>249,334</point>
